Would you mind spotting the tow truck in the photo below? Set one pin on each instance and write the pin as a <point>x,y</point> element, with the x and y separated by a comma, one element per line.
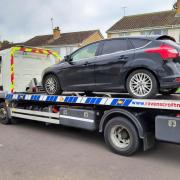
<point>127,124</point>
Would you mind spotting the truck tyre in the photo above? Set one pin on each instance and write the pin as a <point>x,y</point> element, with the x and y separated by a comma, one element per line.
<point>142,84</point>
<point>121,136</point>
<point>51,85</point>
<point>3,116</point>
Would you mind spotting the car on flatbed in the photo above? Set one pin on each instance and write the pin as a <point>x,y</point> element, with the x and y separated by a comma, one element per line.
<point>142,66</point>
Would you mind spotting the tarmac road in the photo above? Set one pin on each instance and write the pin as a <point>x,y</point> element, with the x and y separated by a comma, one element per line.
<point>37,152</point>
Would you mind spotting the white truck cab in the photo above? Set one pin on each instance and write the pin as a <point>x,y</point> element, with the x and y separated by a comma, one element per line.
<point>19,65</point>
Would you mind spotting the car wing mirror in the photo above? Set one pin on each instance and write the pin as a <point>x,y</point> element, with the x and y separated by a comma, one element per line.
<point>68,58</point>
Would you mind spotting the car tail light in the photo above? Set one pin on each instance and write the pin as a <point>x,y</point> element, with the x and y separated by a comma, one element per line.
<point>177,79</point>
<point>166,51</point>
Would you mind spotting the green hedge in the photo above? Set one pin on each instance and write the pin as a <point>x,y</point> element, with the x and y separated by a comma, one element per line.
<point>178,91</point>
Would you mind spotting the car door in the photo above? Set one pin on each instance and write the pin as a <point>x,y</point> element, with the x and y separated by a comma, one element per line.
<point>114,54</point>
<point>78,73</point>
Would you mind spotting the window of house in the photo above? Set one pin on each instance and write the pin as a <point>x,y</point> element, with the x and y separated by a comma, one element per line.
<point>155,32</point>
<point>124,34</point>
<point>114,46</point>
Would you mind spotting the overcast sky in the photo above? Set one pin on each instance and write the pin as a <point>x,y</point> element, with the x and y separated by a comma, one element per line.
<point>21,19</point>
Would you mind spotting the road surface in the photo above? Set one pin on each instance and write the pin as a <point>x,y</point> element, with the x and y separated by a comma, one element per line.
<point>33,151</point>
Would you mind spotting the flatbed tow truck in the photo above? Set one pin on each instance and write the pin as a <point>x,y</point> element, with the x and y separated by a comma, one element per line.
<point>127,124</point>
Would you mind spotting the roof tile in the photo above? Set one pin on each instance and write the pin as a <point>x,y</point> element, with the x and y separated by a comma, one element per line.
<point>157,19</point>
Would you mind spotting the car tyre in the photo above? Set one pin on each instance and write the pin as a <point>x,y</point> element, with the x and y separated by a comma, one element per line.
<point>51,85</point>
<point>142,84</point>
<point>126,142</point>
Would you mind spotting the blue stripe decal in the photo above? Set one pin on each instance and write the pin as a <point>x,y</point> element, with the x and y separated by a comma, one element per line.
<point>66,99</point>
<point>21,97</point>
<point>8,96</point>
<point>74,99</point>
<point>36,98</point>
<point>49,98</point>
<point>93,100</point>
<point>52,98</point>
<point>98,100</point>
<point>32,97</point>
<point>127,102</point>
<point>70,99</point>
<point>55,98</point>
<point>88,100</point>
<point>114,102</point>
<point>11,96</point>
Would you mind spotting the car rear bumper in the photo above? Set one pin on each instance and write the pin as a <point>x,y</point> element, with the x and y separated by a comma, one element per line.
<point>170,82</point>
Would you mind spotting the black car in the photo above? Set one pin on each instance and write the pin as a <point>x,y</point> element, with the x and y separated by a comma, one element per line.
<point>142,66</point>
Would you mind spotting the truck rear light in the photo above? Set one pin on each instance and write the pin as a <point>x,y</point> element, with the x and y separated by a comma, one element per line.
<point>165,51</point>
<point>55,109</point>
<point>177,115</point>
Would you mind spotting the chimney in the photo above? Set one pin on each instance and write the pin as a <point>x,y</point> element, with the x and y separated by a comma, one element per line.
<point>56,33</point>
<point>177,8</point>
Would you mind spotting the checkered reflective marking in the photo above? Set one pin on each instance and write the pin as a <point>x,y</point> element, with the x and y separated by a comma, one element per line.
<point>118,102</point>
<point>68,99</point>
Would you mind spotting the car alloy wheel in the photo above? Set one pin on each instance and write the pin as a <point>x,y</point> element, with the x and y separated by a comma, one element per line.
<point>141,84</point>
<point>51,85</point>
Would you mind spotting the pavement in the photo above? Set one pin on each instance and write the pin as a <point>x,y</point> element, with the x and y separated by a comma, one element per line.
<point>33,151</point>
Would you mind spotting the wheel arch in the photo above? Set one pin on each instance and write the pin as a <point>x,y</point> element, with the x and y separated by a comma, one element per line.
<point>109,114</point>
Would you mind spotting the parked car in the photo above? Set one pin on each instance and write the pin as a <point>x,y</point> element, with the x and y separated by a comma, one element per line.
<point>142,66</point>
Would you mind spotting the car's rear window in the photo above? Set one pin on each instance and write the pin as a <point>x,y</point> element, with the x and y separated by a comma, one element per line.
<point>138,43</point>
<point>170,42</point>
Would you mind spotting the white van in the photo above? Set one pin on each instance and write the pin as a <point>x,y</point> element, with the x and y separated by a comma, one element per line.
<point>19,65</point>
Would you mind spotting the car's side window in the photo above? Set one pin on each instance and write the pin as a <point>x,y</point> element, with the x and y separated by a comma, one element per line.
<point>114,45</point>
<point>86,52</point>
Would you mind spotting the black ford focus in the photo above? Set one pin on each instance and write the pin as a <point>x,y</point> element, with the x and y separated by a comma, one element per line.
<point>142,66</point>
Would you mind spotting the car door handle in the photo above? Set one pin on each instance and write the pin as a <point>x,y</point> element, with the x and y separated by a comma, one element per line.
<point>123,57</point>
<point>85,64</point>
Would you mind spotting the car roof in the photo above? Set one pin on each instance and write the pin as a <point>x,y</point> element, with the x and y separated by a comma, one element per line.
<point>148,37</point>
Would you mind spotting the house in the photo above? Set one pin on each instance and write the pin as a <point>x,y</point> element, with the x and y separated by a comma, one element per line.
<point>157,23</point>
<point>65,43</point>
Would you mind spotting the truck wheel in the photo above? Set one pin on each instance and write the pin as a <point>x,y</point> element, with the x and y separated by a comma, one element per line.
<point>142,84</point>
<point>4,117</point>
<point>121,136</point>
<point>51,85</point>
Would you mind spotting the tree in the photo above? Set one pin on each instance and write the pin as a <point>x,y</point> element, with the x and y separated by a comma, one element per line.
<point>175,6</point>
<point>4,43</point>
